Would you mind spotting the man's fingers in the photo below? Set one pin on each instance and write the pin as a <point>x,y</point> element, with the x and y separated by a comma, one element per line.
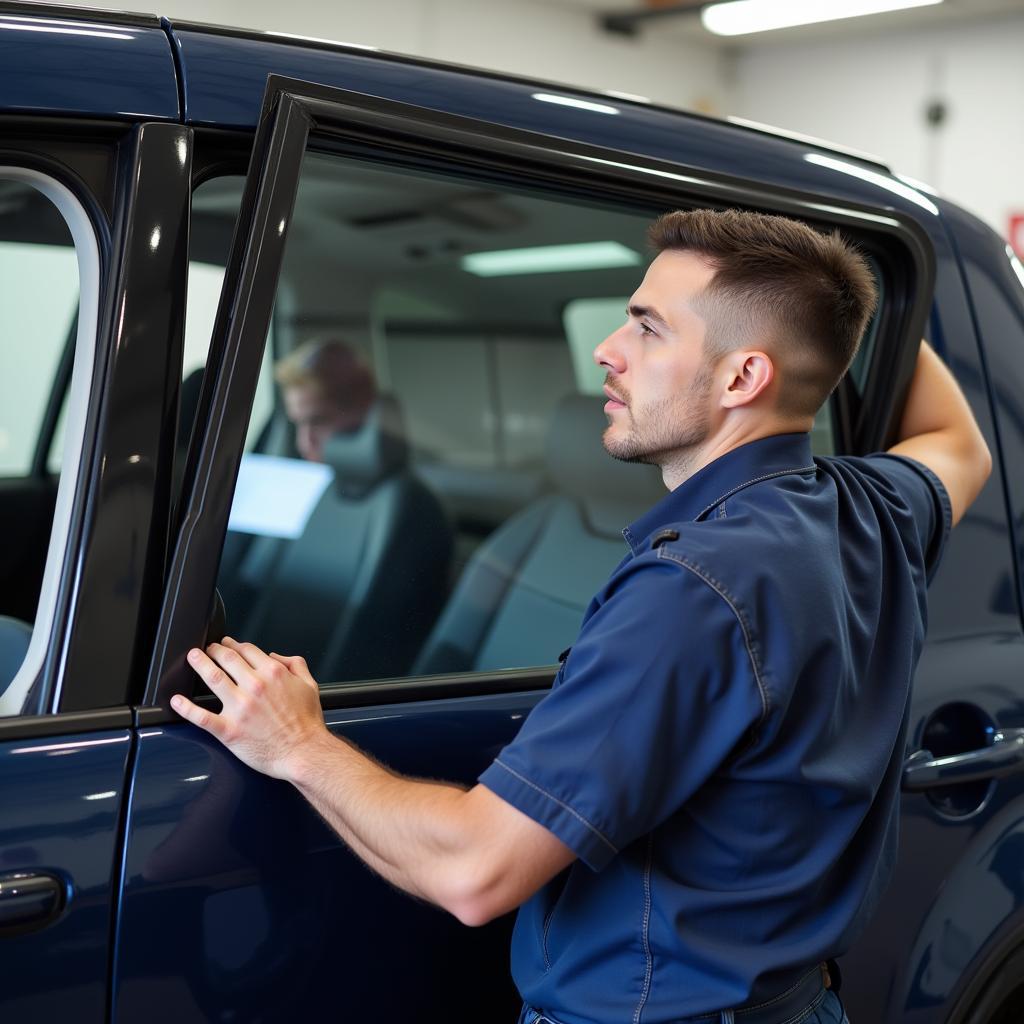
<point>216,678</point>
<point>250,653</point>
<point>206,720</point>
<point>296,664</point>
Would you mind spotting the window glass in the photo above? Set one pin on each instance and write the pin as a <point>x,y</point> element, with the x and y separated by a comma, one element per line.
<point>214,209</point>
<point>430,493</point>
<point>39,268</point>
<point>39,321</point>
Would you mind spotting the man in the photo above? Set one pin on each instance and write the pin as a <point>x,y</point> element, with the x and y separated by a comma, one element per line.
<point>326,390</point>
<point>704,807</point>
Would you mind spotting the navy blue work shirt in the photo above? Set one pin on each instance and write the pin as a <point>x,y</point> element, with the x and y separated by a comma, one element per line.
<point>722,748</point>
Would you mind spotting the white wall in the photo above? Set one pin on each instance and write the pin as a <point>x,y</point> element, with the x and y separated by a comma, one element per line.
<point>871,92</point>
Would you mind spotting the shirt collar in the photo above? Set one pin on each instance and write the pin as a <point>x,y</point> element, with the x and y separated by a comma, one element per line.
<point>738,468</point>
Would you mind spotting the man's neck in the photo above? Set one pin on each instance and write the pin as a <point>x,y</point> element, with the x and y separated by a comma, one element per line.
<point>679,466</point>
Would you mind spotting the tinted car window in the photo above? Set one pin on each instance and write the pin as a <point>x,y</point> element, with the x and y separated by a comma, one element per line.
<point>420,497</point>
<point>40,315</point>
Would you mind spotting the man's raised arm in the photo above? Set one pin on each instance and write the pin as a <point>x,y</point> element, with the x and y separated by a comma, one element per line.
<point>938,429</point>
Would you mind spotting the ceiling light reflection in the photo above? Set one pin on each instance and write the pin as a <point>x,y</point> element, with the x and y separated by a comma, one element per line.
<point>571,101</point>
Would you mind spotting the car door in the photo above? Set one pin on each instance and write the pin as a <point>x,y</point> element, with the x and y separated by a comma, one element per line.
<point>89,296</point>
<point>238,902</point>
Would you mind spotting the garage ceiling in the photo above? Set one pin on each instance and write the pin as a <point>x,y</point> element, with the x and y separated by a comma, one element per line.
<point>687,25</point>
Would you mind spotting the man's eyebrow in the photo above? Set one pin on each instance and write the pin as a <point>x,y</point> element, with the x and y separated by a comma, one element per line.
<point>646,311</point>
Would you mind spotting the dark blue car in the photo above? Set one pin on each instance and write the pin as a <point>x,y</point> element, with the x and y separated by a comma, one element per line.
<point>181,207</point>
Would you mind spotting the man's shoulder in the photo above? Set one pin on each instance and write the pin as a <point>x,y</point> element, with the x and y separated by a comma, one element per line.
<point>697,559</point>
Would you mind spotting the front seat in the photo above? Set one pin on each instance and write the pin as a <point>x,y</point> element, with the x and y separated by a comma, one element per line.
<point>524,592</point>
<point>357,592</point>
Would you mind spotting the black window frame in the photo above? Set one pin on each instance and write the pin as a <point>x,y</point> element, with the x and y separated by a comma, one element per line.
<point>297,116</point>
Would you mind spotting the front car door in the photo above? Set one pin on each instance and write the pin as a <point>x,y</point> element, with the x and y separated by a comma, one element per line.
<point>470,269</point>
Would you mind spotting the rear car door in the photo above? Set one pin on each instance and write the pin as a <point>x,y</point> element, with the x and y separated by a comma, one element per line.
<point>464,266</point>
<point>90,300</point>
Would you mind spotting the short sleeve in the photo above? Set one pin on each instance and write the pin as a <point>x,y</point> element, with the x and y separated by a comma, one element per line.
<point>656,694</point>
<point>927,498</point>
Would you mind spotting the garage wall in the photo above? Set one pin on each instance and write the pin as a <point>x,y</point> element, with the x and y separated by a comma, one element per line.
<point>871,92</point>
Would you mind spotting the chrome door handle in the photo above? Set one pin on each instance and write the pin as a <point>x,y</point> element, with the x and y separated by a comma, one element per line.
<point>29,901</point>
<point>1004,756</point>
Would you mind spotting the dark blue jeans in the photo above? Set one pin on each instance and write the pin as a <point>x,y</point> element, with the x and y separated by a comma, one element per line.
<point>828,1011</point>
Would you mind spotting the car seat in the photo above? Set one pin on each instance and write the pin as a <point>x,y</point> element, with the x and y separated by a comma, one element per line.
<point>359,589</point>
<point>524,592</point>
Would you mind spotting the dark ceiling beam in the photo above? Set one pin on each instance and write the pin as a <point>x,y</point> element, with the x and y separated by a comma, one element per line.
<point>629,23</point>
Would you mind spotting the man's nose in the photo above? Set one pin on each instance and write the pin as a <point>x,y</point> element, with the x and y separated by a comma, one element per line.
<point>609,353</point>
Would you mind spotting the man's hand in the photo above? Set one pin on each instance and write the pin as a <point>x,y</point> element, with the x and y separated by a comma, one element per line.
<point>271,704</point>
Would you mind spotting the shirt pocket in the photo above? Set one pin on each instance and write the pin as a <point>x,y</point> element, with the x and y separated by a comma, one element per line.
<point>562,882</point>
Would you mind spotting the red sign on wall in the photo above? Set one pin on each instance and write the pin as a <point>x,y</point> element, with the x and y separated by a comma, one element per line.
<point>1016,233</point>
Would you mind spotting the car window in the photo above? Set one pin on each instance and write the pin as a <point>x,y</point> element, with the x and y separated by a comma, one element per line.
<point>47,260</point>
<point>429,494</point>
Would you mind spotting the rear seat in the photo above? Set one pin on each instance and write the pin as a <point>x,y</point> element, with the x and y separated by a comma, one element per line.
<point>358,591</point>
<point>523,594</point>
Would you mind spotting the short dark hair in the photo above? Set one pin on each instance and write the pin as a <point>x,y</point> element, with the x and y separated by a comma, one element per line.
<point>809,295</point>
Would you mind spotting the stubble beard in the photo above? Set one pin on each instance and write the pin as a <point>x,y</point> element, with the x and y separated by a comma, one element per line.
<point>667,431</point>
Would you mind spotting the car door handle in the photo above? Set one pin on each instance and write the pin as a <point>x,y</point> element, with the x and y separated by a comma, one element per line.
<point>1004,756</point>
<point>29,901</point>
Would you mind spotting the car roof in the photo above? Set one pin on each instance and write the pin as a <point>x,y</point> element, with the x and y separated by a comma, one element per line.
<point>209,75</point>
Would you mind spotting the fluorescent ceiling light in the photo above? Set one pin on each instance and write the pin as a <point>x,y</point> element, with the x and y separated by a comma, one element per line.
<point>550,259</point>
<point>739,17</point>
<point>571,101</point>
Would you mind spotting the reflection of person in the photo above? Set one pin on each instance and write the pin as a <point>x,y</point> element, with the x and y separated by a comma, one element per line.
<point>326,390</point>
<point>704,807</point>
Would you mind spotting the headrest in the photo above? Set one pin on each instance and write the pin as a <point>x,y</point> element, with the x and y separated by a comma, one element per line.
<point>613,493</point>
<point>371,454</point>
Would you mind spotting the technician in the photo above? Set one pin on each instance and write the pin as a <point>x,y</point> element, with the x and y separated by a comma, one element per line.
<point>704,808</point>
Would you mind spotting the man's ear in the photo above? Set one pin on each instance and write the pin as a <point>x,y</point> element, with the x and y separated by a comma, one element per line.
<point>748,374</point>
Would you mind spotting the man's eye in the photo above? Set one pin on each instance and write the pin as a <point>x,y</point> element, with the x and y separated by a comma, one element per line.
<point>644,329</point>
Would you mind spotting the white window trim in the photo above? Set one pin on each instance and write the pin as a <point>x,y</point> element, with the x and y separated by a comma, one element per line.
<point>13,698</point>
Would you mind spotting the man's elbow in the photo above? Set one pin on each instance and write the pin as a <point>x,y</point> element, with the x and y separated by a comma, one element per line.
<point>980,462</point>
<point>476,898</point>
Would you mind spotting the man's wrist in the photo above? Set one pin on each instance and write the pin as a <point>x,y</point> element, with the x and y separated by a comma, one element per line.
<point>304,763</point>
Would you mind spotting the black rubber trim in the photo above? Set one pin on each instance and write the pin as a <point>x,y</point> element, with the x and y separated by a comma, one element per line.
<point>393,57</point>
<point>385,692</point>
<point>80,14</point>
<point>29,726</point>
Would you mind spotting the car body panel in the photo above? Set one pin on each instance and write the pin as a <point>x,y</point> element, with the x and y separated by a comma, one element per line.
<point>122,69</point>
<point>265,916</point>
<point>62,798</point>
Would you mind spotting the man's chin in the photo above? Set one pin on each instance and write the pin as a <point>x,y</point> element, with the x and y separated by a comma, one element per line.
<point>625,450</point>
